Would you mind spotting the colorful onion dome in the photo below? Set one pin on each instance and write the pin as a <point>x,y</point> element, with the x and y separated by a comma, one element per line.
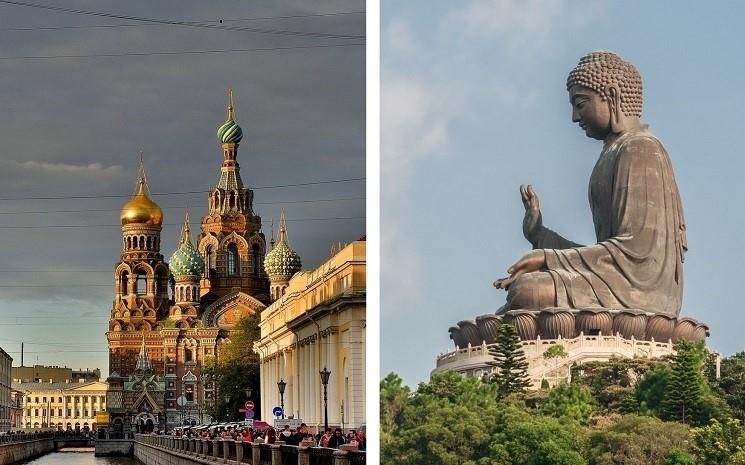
<point>186,260</point>
<point>230,132</point>
<point>141,209</point>
<point>282,260</point>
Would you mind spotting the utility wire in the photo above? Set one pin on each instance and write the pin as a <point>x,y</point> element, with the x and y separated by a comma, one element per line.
<point>338,218</point>
<point>105,196</point>
<point>23,212</point>
<point>260,18</point>
<point>184,52</point>
<point>194,24</point>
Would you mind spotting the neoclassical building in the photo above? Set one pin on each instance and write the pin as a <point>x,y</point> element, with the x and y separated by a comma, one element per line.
<point>62,406</point>
<point>6,399</point>
<point>212,285</point>
<point>316,321</point>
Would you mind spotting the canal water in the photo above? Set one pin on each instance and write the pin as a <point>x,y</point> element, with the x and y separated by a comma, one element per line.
<point>79,456</point>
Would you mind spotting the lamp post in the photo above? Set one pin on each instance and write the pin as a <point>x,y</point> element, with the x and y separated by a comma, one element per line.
<point>281,385</point>
<point>325,381</point>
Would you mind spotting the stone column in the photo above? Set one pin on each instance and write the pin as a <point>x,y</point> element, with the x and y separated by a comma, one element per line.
<point>303,456</point>
<point>333,366</point>
<point>238,450</point>
<point>216,448</point>
<point>276,454</point>
<point>255,453</point>
<point>341,457</point>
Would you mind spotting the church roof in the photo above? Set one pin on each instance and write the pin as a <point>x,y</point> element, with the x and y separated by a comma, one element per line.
<point>282,260</point>
<point>186,260</point>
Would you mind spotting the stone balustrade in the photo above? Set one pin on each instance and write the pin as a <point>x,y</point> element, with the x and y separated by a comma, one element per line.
<point>15,448</point>
<point>164,450</point>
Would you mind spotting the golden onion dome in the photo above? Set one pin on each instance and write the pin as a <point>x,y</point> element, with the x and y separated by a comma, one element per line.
<point>141,209</point>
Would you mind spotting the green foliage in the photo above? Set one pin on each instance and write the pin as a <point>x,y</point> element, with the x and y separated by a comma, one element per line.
<point>679,457</point>
<point>651,388</point>
<point>637,440</point>
<point>555,351</point>
<point>512,374</point>
<point>611,382</point>
<point>720,443</point>
<point>731,385</point>
<point>569,401</point>
<point>236,370</point>
<point>455,420</point>
<point>394,397</point>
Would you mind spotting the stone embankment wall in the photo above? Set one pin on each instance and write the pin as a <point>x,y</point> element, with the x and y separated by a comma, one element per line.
<point>170,450</point>
<point>114,447</point>
<point>16,448</point>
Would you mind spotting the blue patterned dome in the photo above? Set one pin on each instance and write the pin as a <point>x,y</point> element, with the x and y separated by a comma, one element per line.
<point>186,261</point>
<point>230,132</point>
<point>282,260</point>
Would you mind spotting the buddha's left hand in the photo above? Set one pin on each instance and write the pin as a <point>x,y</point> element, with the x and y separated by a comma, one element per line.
<point>535,260</point>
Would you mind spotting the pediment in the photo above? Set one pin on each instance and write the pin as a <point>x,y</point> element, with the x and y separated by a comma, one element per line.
<point>226,311</point>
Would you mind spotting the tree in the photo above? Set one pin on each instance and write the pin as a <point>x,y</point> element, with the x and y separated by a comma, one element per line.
<point>572,401</point>
<point>720,443</point>
<point>637,440</point>
<point>685,388</point>
<point>236,370</point>
<point>394,398</point>
<point>731,385</point>
<point>512,368</point>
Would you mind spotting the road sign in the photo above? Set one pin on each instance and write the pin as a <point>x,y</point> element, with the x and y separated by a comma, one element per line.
<point>249,413</point>
<point>277,411</point>
<point>249,405</point>
<point>181,401</point>
<point>279,423</point>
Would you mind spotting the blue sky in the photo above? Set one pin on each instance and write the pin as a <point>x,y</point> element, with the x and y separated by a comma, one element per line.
<point>474,104</point>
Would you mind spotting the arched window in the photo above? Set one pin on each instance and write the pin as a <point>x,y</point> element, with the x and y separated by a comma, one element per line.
<point>233,260</point>
<point>124,282</point>
<point>209,258</point>
<point>129,242</point>
<point>256,258</point>
<point>142,242</point>
<point>187,354</point>
<point>232,200</point>
<point>141,283</point>
<point>188,294</point>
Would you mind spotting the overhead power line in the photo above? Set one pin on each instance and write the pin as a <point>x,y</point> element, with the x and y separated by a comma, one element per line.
<point>184,52</point>
<point>337,218</point>
<point>174,207</point>
<point>194,24</point>
<point>259,18</point>
<point>106,196</point>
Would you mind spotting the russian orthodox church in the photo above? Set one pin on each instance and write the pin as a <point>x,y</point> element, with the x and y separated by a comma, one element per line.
<point>159,341</point>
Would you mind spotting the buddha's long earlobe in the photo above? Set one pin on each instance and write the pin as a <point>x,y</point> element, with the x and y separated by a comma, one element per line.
<point>617,121</point>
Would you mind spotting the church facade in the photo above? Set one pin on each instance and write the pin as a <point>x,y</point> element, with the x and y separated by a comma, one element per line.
<point>159,339</point>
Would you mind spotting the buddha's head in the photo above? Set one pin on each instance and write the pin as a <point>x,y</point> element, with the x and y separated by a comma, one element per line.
<point>605,93</point>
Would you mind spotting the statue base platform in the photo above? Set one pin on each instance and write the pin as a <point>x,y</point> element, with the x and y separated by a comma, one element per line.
<point>566,323</point>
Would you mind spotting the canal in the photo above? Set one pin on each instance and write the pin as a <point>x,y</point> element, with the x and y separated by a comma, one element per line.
<point>79,456</point>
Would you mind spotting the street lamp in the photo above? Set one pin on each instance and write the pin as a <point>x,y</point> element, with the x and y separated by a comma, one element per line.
<point>325,381</point>
<point>281,385</point>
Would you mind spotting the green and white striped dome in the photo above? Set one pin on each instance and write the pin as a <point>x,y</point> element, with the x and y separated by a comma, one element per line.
<point>230,132</point>
<point>186,260</point>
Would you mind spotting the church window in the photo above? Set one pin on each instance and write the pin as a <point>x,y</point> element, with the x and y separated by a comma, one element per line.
<point>209,258</point>
<point>256,261</point>
<point>232,200</point>
<point>233,260</point>
<point>142,242</point>
<point>189,391</point>
<point>124,282</point>
<point>187,355</point>
<point>141,284</point>
<point>188,294</point>
<point>149,242</point>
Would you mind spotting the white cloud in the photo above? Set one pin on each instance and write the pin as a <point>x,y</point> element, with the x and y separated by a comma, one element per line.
<point>91,168</point>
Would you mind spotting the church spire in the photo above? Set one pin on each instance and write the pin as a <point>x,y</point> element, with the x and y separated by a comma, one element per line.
<point>231,114</point>
<point>143,363</point>
<point>282,226</point>
<point>186,230</point>
<point>271,240</point>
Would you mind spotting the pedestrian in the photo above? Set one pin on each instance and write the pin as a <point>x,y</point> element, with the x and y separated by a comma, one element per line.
<point>271,436</point>
<point>324,441</point>
<point>286,435</point>
<point>337,439</point>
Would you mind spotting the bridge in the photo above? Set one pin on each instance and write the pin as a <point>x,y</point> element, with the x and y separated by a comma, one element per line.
<point>73,439</point>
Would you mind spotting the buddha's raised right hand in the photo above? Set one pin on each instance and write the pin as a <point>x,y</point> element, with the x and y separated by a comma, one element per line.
<point>532,221</point>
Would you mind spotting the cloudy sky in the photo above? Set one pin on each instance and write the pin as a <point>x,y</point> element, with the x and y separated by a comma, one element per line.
<point>474,104</point>
<point>82,94</point>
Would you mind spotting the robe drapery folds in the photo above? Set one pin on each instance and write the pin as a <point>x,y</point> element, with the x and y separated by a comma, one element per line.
<point>636,208</point>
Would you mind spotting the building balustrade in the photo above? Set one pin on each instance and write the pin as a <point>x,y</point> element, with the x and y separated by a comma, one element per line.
<point>255,453</point>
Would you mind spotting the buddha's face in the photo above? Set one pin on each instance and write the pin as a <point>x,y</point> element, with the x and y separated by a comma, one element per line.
<point>590,111</point>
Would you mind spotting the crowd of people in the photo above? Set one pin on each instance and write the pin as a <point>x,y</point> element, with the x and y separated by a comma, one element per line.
<point>299,437</point>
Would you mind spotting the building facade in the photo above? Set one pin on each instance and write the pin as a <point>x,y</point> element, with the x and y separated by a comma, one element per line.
<point>54,374</point>
<point>6,400</point>
<point>62,406</point>
<point>317,322</point>
<point>16,409</point>
<point>213,284</point>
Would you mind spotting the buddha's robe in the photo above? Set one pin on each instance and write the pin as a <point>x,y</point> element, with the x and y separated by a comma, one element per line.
<point>638,260</point>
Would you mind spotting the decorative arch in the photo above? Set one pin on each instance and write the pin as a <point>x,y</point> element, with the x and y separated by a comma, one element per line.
<point>227,310</point>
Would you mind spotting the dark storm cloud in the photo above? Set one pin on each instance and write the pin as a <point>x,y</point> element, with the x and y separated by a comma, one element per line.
<point>75,126</point>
